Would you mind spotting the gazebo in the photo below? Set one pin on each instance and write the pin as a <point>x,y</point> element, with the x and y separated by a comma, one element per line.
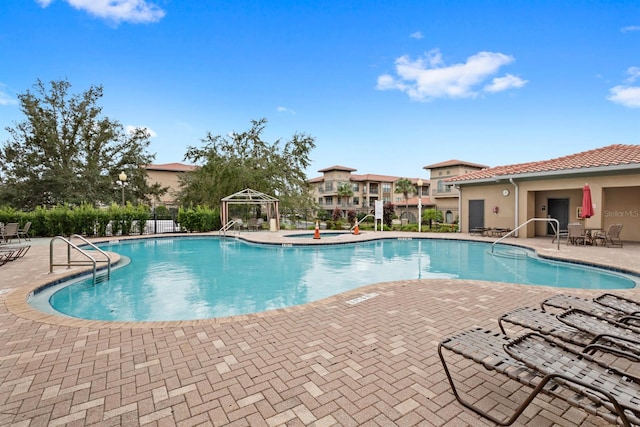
<point>251,197</point>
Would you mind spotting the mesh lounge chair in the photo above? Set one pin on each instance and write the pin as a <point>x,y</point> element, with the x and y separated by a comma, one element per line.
<point>611,237</point>
<point>11,252</point>
<point>567,327</point>
<point>575,378</point>
<point>616,302</point>
<point>628,337</point>
<point>624,313</point>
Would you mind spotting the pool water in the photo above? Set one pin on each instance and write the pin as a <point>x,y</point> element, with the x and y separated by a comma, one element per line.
<point>195,278</point>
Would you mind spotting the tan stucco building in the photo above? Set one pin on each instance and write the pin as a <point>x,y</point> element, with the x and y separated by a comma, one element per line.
<point>367,189</point>
<point>167,175</point>
<point>508,196</point>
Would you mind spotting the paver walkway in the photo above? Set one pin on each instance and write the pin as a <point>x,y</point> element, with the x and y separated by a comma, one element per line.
<point>323,364</point>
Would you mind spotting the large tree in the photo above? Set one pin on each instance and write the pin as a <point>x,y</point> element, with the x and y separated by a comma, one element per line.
<point>243,160</point>
<point>66,151</point>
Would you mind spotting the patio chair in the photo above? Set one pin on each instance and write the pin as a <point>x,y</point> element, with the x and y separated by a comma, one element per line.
<point>614,400</point>
<point>576,234</point>
<point>24,231</point>
<point>9,231</point>
<point>611,237</point>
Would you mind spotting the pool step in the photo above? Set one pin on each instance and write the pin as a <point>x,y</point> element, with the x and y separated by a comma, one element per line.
<point>510,253</point>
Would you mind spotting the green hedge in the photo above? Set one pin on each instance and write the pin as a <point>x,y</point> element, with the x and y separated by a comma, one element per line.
<point>85,220</point>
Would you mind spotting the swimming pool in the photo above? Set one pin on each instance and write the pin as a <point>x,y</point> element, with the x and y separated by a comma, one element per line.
<point>195,278</point>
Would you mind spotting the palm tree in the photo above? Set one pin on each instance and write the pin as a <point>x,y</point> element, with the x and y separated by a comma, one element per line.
<point>345,190</point>
<point>404,186</point>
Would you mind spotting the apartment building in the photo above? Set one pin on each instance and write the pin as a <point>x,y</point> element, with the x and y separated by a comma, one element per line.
<point>331,191</point>
<point>444,194</point>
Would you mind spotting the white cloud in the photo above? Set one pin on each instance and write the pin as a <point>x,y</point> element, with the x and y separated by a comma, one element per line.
<point>429,78</point>
<point>131,129</point>
<point>5,98</point>
<point>417,35</point>
<point>634,73</point>
<point>285,110</point>
<point>630,28</point>
<point>135,11</point>
<point>499,84</point>
<point>627,96</point>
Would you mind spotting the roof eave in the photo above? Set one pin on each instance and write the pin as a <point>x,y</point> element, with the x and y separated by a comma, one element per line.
<point>561,172</point>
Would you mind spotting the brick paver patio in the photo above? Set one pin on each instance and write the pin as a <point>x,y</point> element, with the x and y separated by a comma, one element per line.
<point>323,364</point>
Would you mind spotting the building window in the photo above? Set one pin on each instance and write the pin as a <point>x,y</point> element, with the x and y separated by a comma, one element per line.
<point>356,188</point>
<point>328,186</point>
<point>328,200</point>
<point>386,188</point>
<point>356,201</point>
<point>319,200</point>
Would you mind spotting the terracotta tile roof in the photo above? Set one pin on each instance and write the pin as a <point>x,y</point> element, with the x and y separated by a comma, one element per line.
<point>617,156</point>
<point>171,167</point>
<point>337,168</point>
<point>454,162</point>
<point>374,177</point>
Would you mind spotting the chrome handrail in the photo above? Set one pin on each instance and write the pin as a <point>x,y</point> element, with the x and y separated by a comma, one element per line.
<point>92,261</point>
<point>550,220</point>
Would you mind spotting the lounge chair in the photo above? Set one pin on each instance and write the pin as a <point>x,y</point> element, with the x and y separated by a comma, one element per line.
<point>13,252</point>
<point>576,234</point>
<point>611,237</point>
<point>616,302</point>
<point>627,337</point>
<point>623,313</point>
<point>24,231</point>
<point>576,378</point>
<point>566,326</point>
<point>9,231</point>
<point>599,386</point>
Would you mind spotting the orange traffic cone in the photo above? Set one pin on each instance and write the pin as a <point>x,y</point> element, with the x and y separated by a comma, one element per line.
<point>316,235</point>
<point>356,229</point>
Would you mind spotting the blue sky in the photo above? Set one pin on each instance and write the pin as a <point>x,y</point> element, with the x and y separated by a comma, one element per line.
<point>385,87</point>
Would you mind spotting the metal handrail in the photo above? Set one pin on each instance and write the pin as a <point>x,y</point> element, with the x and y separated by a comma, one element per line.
<point>92,261</point>
<point>227,226</point>
<point>550,220</point>
<point>358,222</point>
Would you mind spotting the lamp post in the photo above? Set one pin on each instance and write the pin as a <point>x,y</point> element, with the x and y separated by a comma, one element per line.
<point>420,204</point>
<point>122,180</point>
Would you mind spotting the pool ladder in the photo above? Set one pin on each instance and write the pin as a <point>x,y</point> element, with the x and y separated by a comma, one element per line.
<point>88,261</point>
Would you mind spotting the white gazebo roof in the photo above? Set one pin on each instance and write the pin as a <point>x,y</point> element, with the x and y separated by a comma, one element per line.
<point>249,196</point>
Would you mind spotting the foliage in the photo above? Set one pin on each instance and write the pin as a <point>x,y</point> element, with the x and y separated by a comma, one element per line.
<point>66,151</point>
<point>243,160</point>
<point>336,214</point>
<point>430,216</point>
<point>199,218</point>
<point>323,215</point>
<point>345,191</point>
<point>405,187</point>
<point>351,216</point>
<point>388,212</point>
<point>86,220</point>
